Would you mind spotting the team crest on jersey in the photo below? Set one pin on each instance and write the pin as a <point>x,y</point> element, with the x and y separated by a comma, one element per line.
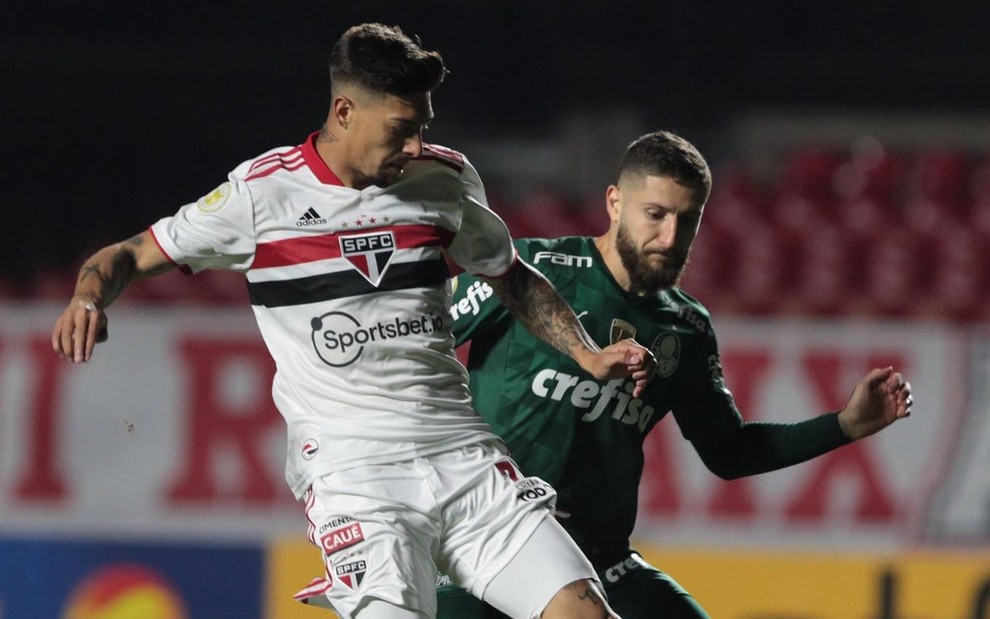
<point>369,253</point>
<point>667,350</point>
<point>620,330</point>
<point>351,574</point>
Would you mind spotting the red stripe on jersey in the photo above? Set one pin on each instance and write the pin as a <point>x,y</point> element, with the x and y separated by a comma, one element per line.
<point>450,158</point>
<point>184,268</point>
<point>319,167</point>
<point>445,153</point>
<point>304,249</point>
<point>290,156</point>
<point>288,163</point>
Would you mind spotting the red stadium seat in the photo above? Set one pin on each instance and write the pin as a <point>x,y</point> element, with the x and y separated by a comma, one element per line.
<point>892,270</point>
<point>959,283</point>
<point>760,276</point>
<point>825,279</point>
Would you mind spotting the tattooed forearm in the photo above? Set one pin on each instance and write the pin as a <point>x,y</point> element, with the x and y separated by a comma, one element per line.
<point>91,269</point>
<point>539,307</point>
<point>107,273</point>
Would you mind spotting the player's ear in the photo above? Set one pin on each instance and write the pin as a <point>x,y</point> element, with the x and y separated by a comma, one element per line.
<point>342,110</point>
<point>613,203</point>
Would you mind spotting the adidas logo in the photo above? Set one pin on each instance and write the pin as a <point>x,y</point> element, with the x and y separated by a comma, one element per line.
<point>310,218</point>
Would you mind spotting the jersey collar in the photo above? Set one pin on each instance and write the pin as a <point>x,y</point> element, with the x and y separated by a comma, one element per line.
<point>319,167</point>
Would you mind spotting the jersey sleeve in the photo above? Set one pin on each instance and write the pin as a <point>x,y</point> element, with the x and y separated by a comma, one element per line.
<point>704,407</point>
<point>215,232</point>
<point>481,244</point>
<point>475,308</point>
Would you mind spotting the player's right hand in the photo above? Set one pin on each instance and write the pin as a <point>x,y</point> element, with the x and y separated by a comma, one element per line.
<point>626,358</point>
<point>80,327</point>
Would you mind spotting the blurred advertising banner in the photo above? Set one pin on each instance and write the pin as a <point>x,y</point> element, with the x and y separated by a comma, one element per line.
<point>59,579</point>
<point>169,432</point>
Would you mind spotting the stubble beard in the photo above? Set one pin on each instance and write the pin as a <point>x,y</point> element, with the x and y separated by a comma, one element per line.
<point>643,278</point>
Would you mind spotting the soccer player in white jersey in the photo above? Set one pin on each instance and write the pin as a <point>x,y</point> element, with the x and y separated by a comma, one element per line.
<point>342,241</point>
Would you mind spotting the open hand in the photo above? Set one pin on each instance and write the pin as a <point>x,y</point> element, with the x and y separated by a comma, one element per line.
<point>80,327</point>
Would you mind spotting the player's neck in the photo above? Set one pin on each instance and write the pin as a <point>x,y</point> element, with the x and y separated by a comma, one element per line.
<point>331,150</point>
<point>605,245</point>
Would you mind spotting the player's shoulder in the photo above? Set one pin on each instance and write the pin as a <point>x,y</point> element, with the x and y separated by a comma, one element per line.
<point>688,309</point>
<point>280,158</point>
<point>436,155</point>
<point>564,250</point>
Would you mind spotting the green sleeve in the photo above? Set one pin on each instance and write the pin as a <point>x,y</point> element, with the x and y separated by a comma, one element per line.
<point>475,308</point>
<point>760,447</point>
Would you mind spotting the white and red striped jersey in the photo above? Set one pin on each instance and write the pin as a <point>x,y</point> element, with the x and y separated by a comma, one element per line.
<point>350,290</point>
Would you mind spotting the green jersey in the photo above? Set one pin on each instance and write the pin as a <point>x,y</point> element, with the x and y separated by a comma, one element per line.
<point>585,436</point>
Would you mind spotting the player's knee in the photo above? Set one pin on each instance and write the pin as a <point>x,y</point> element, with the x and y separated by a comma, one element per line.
<point>582,599</point>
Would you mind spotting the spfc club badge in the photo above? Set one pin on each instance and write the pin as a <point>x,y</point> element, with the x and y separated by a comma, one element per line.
<point>369,253</point>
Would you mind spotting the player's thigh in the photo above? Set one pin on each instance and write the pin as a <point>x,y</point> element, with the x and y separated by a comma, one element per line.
<point>375,543</point>
<point>648,593</point>
<point>490,510</point>
<point>549,563</point>
<point>456,603</point>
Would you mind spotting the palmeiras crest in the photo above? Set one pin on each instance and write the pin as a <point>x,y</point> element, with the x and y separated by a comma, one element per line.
<point>369,253</point>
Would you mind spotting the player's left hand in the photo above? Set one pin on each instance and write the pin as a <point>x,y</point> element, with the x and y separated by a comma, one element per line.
<point>878,400</point>
<point>626,358</point>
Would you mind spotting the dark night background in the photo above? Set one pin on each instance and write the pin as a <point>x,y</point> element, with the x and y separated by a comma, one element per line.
<point>114,114</point>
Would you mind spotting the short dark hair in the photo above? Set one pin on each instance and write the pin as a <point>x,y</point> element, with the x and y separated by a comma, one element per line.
<point>663,153</point>
<point>384,60</point>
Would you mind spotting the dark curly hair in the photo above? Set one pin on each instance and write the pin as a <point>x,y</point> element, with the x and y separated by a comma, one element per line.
<point>384,60</point>
<point>663,153</point>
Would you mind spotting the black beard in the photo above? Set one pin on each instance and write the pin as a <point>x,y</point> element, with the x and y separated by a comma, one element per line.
<point>643,278</point>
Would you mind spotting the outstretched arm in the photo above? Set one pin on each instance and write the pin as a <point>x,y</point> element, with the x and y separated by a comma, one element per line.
<point>879,399</point>
<point>101,279</point>
<point>535,303</point>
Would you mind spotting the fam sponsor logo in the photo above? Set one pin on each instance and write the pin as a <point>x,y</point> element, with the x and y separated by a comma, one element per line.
<point>566,260</point>
<point>369,253</point>
<point>351,574</point>
<point>340,538</point>
<point>470,304</point>
<point>667,351</point>
<point>615,396</point>
<point>620,569</point>
<point>339,338</point>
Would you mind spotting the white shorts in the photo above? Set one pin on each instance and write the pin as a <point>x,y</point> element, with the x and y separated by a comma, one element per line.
<point>386,530</point>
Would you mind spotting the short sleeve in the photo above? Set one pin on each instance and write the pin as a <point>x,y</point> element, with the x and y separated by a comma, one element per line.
<point>481,244</point>
<point>215,232</point>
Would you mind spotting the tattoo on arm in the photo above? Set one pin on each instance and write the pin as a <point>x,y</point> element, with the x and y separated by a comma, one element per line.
<point>91,269</point>
<point>590,594</point>
<point>539,307</point>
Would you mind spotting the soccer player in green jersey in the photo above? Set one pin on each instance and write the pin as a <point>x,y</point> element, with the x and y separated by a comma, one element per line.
<point>585,437</point>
